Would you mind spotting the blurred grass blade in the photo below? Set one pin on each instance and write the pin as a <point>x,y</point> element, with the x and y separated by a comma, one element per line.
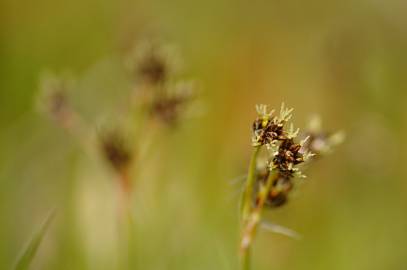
<point>238,180</point>
<point>275,228</point>
<point>28,253</point>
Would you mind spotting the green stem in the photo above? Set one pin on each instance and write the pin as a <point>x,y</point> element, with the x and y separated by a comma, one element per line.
<point>245,260</point>
<point>246,203</point>
<point>252,221</point>
<point>248,191</point>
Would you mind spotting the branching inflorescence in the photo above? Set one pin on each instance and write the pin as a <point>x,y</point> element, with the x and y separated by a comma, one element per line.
<point>159,96</point>
<point>156,96</point>
<point>165,98</point>
<point>269,183</point>
<point>156,102</point>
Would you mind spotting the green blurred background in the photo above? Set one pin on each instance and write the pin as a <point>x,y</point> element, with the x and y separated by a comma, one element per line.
<point>345,60</point>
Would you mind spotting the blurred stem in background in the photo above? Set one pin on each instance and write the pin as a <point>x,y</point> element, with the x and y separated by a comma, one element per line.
<point>25,259</point>
<point>158,102</point>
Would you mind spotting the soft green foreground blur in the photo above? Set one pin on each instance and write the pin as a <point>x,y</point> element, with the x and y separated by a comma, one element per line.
<point>344,60</point>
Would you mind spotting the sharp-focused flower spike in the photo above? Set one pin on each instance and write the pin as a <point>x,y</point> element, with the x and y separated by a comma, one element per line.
<point>268,129</point>
<point>270,183</point>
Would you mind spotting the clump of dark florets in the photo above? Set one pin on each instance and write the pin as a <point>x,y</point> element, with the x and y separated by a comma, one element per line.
<point>288,155</point>
<point>171,106</point>
<point>268,129</point>
<point>54,100</point>
<point>151,63</point>
<point>285,153</point>
<point>278,194</point>
<point>115,150</point>
<point>165,97</point>
<point>271,178</point>
<point>152,69</point>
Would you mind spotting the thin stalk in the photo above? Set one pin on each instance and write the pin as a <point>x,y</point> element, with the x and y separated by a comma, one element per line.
<point>246,203</point>
<point>253,220</point>
<point>125,221</point>
<point>245,259</point>
<point>125,193</point>
<point>27,256</point>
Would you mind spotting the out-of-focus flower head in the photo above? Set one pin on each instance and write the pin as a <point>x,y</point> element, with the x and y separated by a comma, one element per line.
<point>153,63</point>
<point>319,141</point>
<point>54,100</point>
<point>115,150</point>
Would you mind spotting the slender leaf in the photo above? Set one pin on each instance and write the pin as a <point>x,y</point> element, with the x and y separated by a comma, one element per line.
<point>275,228</point>
<point>28,253</point>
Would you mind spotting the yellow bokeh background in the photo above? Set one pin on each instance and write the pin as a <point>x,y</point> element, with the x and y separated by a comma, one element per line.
<point>344,60</point>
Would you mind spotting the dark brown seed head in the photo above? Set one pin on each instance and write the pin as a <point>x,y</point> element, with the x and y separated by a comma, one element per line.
<point>280,190</point>
<point>171,106</point>
<point>54,95</point>
<point>167,110</point>
<point>58,103</point>
<point>115,151</point>
<point>152,69</point>
<point>276,199</point>
<point>265,131</point>
<point>288,155</point>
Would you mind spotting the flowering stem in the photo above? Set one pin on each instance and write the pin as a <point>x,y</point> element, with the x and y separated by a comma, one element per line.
<point>246,204</point>
<point>125,193</point>
<point>248,191</point>
<point>252,221</point>
<point>245,259</point>
<point>125,220</point>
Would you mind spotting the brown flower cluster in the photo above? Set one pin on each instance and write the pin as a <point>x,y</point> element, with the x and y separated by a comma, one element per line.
<point>284,153</point>
<point>112,144</point>
<point>164,97</point>
<point>54,100</point>
<point>158,96</point>
<point>270,180</point>
<point>152,68</point>
<point>116,151</point>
